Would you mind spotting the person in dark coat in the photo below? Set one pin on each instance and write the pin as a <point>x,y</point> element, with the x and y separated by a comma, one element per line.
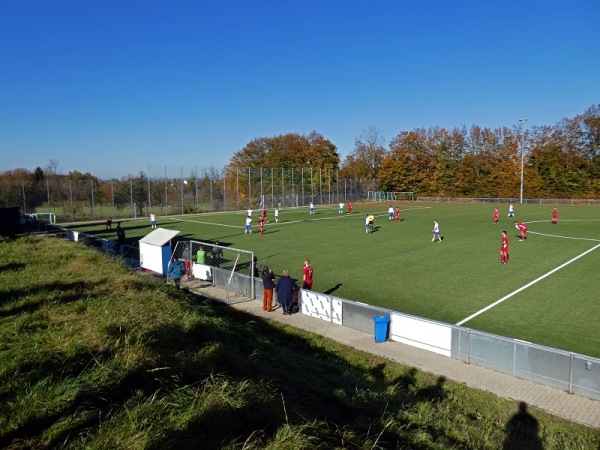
<point>285,291</point>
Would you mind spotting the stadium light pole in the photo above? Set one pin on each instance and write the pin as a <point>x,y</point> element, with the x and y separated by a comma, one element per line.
<point>521,123</point>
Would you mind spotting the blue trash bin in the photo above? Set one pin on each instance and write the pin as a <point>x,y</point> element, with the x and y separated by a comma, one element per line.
<point>381,328</point>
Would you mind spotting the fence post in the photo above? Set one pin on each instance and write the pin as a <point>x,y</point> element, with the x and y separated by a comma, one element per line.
<point>468,361</point>
<point>571,356</point>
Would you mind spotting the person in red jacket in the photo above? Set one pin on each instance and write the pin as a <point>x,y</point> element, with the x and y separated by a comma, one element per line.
<point>307,275</point>
<point>522,227</point>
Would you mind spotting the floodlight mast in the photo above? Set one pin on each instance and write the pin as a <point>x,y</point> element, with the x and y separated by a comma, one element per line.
<point>521,123</point>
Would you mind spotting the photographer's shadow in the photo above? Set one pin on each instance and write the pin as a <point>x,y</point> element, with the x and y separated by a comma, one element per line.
<point>522,431</point>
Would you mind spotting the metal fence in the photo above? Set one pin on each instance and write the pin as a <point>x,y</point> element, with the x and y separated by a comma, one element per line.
<point>571,372</point>
<point>171,190</point>
<point>529,201</point>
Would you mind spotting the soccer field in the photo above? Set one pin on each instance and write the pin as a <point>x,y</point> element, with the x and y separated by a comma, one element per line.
<point>548,293</point>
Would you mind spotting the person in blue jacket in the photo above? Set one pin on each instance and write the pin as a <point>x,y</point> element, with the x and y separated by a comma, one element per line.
<point>285,291</point>
<point>176,271</point>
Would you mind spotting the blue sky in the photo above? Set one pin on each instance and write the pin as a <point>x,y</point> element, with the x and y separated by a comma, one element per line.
<point>113,87</point>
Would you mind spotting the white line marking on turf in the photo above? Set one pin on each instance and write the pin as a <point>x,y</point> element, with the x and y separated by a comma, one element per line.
<point>207,223</point>
<point>564,237</point>
<point>506,297</point>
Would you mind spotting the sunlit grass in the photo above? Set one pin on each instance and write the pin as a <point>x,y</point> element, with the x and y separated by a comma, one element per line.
<point>93,356</point>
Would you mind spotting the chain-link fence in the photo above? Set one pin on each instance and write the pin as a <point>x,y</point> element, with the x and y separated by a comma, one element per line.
<point>169,190</point>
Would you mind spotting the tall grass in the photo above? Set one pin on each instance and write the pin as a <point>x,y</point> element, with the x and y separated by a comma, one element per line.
<point>94,356</point>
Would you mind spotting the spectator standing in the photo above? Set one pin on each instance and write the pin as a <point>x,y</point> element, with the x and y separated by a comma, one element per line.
<point>285,291</point>
<point>217,254</point>
<point>176,270</point>
<point>187,261</point>
<point>255,268</point>
<point>108,224</point>
<point>120,238</point>
<point>268,279</point>
<point>201,256</point>
<point>307,275</point>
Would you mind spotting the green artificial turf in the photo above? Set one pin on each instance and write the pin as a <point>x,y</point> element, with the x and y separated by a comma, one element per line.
<point>398,267</point>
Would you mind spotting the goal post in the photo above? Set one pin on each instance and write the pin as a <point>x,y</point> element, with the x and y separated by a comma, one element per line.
<point>226,267</point>
<point>387,196</point>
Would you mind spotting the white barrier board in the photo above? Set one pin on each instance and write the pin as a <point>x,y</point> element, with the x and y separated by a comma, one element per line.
<point>316,305</point>
<point>202,271</point>
<point>336,311</point>
<point>433,336</point>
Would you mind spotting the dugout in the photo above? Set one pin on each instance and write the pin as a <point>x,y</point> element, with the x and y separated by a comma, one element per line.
<point>155,250</point>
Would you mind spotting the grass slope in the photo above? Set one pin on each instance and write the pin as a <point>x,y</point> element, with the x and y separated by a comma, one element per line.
<point>93,356</point>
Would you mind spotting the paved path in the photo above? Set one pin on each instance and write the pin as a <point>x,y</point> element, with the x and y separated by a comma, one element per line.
<point>554,401</point>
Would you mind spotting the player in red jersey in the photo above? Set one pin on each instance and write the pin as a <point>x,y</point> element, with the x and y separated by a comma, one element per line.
<point>397,217</point>
<point>349,207</point>
<point>261,224</point>
<point>496,212</point>
<point>522,227</point>
<point>504,249</point>
<point>307,275</point>
<point>554,216</point>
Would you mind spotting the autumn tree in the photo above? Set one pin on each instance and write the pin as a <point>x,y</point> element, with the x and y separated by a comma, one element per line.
<point>287,151</point>
<point>367,157</point>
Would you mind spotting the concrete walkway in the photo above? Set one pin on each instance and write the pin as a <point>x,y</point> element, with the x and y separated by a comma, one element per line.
<point>554,401</point>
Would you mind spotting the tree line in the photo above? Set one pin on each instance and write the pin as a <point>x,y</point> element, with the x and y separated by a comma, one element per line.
<point>557,161</point>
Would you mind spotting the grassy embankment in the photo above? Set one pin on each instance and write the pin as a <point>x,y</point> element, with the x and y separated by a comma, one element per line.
<point>94,356</point>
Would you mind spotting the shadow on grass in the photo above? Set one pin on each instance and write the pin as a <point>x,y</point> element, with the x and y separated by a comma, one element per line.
<point>522,431</point>
<point>61,293</point>
<point>293,379</point>
<point>12,267</point>
<point>333,289</point>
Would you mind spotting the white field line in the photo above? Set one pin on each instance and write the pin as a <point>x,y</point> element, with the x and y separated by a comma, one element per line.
<point>506,297</point>
<point>564,237</point>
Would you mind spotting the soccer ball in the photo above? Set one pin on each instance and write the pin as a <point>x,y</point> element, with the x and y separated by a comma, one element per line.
<point>184,181</point>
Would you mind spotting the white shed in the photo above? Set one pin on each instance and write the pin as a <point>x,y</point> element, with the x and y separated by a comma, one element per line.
<point>155,250</point>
